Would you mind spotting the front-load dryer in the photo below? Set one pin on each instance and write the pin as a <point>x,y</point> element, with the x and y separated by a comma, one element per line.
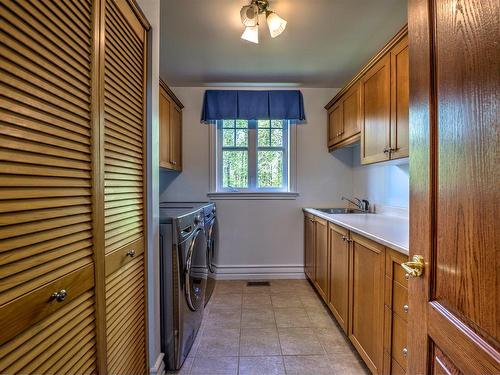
<point>183,278</point>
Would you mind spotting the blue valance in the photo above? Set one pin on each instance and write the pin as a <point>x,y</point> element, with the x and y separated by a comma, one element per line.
<point>253,105</point>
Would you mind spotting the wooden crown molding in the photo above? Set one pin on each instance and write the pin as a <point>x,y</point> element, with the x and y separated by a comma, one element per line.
<point>170,93</point>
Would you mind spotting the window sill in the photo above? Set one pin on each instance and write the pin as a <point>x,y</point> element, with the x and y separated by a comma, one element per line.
<point>253,195</point>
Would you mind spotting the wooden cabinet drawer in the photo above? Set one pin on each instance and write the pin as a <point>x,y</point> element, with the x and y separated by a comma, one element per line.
<point>399,340</point>
<point>124,255</point>
<point>35,306</point>
<point>393,269</point>
<point>391,367</point>
<point>400,300</point>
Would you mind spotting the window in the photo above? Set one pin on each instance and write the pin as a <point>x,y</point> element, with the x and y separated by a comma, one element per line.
<point>252,156</point>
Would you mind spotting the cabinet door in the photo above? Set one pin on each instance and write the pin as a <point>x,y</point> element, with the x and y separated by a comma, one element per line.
<point>309,246</point>
<point>176,138</point>
<point>125,332</point>
<point>338,249</point>
<point>351,113</point>
<point>335,125</point>
<point>321,257</point>
<point>399,100</point>
<point>376,108</point>
<point>366,301</point>
<point>46,165</point>
<point>165,126</point>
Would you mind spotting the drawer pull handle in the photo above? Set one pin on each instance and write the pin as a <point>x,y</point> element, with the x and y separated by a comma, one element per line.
<point>405,352</point>
<point>59,296</point>
<point>405,308</point>
<point>130,253</point>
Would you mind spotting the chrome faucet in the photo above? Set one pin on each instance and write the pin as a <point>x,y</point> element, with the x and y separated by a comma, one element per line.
<point>362,204</point>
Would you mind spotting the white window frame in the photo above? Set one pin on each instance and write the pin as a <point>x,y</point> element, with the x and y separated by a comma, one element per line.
<point>252,192</point>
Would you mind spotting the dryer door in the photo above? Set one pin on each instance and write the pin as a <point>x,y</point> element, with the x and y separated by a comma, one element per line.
<point>196,270</point>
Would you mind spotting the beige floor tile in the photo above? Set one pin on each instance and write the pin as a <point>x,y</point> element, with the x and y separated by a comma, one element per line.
<point>292,317</point>
<point>255,299</point>
<point>258,317</point>
<point>348,364</point>
<point>308,364</point>
<point>285,300</point>
<point>261,366</point>
<point>333,340</point>
<point>230,284</point>
<point>219,342</point>
<point>259,342</point>
<point>215,366</point>
<point>226,300</point>
<point>299,341</point>
<point>223,317</point>
<point>321,319</point>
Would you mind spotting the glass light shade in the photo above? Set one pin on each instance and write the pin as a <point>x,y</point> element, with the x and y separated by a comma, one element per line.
<point>251,34</point>
<point>249,15</point>
<point>276,24</point>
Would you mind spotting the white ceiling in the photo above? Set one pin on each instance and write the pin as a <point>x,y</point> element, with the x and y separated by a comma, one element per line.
<point>324,44</point>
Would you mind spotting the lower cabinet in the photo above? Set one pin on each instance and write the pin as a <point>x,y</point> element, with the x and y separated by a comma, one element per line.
<point>321,257</point>
<point>338,249</point>
<point>366,300</point>
<point>365,288</point>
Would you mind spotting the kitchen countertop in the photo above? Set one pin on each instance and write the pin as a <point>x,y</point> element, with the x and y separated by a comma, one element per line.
<point>388,230</point>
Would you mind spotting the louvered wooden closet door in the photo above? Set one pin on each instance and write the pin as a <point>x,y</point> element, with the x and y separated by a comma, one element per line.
<point>45,187</point>
<point>124,103</point>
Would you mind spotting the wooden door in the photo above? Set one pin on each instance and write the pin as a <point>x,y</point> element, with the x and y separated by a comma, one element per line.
<point>454,174</point>
<point>400,93</point>
<point>124,75</point>
<point>338,249</point>
<point>165,130</point>
<point>46,120</point>
<point>335,125</point>
<point>366,300</point>
<point>176,138</point>
<point>351,113</point>
<point>309,246</point>
<point>321,256</point>
<point>376,112</point>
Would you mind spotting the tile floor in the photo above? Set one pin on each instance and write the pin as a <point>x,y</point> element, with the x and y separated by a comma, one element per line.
<point>270,330</point>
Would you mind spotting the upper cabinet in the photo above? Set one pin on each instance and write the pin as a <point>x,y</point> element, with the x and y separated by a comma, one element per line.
<point>170,129</point>
<point>373,106</point>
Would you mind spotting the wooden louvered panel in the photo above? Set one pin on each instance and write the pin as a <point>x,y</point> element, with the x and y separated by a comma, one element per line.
<point>62,339</point>
<point>125,311</point>
<point>124,76</point>
<point>45,133</point>
<point>123,150</point>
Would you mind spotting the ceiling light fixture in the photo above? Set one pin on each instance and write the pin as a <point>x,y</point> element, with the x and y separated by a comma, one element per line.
<point>250,19</point>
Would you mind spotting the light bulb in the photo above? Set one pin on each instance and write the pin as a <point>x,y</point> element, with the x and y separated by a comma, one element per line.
<point>249,15</point>
<point>251,34</point>
<point>276,24</point>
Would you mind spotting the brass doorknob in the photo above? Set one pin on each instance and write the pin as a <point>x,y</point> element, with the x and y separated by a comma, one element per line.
<point>415,268</point>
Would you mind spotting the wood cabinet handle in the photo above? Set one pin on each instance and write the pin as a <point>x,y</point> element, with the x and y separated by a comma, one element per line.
<point>387,150</point>
<point>405,352</point>
<point>130,253</point>
<point>405,308</point>
<point>59,296</point>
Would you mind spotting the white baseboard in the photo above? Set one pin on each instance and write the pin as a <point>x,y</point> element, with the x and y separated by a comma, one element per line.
<point>260,272</point>
<point>159,367</point>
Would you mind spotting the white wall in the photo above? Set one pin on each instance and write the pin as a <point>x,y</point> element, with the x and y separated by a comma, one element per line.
<point>384,184</point>
<point>262,236</point>
<point>151,9</point>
